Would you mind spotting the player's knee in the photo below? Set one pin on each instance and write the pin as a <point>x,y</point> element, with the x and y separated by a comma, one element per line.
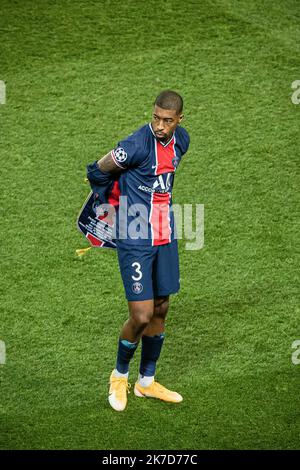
<point>161,309</point>
<point>164,308</point>
<point>141,320</point>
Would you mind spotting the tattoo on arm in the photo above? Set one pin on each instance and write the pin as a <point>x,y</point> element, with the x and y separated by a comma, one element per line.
<point>107,164</point>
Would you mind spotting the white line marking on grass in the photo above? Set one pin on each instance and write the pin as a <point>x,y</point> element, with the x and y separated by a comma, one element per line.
<point>2,92</point>
<point>2,352</point>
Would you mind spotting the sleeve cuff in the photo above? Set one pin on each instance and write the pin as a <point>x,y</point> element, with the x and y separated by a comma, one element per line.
<point>115,160</point>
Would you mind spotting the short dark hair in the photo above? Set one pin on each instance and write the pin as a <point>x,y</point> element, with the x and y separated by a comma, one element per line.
<point>169,99</point>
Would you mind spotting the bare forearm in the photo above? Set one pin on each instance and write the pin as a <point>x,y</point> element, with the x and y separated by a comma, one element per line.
<point>108,165</point>
<point>101,173</point>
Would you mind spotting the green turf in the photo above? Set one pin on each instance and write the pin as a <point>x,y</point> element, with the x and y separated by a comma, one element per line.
<point>80,75</point>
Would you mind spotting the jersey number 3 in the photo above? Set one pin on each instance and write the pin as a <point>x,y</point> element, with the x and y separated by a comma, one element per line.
<point>137,267</point>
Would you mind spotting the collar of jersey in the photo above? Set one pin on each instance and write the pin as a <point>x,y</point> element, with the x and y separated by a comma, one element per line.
<point>164,145</point>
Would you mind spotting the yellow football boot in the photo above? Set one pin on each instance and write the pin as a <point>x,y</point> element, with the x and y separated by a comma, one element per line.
<point>119,387</point>
<point>155,390</point>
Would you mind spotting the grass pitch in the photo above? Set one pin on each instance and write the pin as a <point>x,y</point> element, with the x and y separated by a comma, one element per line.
<point>79,76</point>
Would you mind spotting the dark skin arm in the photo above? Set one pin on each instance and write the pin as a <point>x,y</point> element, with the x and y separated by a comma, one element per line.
<point>108,165</point>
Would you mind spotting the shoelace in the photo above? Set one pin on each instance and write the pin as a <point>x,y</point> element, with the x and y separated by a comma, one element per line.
<point>119,381</point>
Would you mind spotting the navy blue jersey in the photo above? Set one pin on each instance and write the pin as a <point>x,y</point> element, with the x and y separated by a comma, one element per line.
<point>147,182</point>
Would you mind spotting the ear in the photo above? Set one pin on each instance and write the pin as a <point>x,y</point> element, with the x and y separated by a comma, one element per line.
<point>181,117</point>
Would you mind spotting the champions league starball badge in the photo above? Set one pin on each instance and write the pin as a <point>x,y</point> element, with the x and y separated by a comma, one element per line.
<point>120,155</point>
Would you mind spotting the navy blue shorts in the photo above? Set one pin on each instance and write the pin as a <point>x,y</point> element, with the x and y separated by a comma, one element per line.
<point>149,271</point>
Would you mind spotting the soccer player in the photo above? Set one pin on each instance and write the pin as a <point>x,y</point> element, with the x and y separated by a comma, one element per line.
<point>141,167</point>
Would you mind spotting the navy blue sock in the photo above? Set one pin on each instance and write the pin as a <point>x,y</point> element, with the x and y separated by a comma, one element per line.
<point>125,354</point>
<point>151,347</point>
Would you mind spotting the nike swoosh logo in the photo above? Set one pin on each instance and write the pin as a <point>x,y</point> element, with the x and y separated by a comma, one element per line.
<point>154,166</point>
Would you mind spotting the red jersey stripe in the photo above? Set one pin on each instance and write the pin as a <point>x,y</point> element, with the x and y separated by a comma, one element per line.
<point>114,194</point>
<point>160,218</point>
<point>164,157</point>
